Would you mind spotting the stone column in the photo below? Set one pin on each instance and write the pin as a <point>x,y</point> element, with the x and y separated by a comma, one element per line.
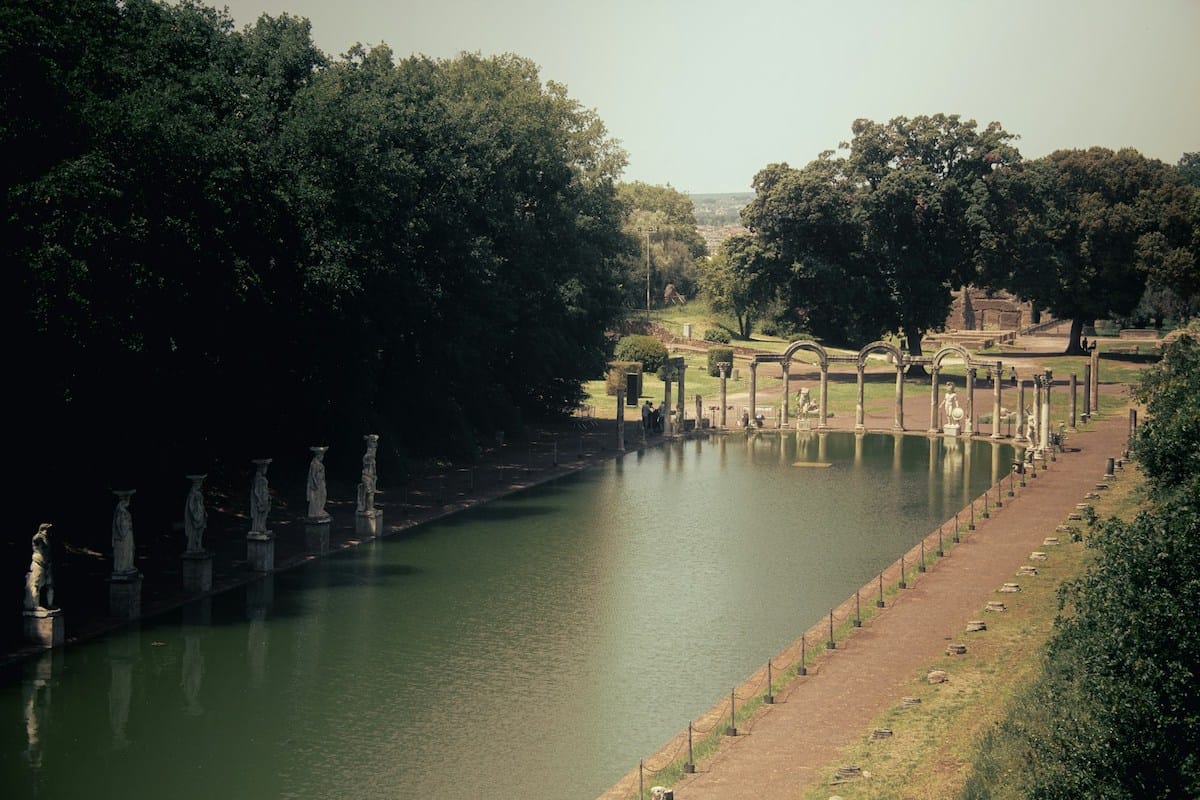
<point>723,366</point>
<point>620,420</point>
<point>665,408</point>
<point>1021,426</point>
<point>1036,438</point>
<point>859,412</point>
<point>997,381</point>
<point>787,378</point>
<point>933,401</point>
<point>1074,402</point>
<point>1087,392</point>
<point>679,416</point>
<point>898,420</point>
<point>970,401</point>
<point>753,390</point>
<point>823,422</point>
<point>1047,382</point>
<point>1095,378</point>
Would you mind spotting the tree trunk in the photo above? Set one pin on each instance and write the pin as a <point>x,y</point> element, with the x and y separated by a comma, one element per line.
<point>1074,348</point>
<point>914,349</point>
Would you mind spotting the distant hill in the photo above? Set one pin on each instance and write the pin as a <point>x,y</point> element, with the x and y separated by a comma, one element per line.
<point>719,210</point>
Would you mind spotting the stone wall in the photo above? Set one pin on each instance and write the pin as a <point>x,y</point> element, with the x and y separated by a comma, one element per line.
<point>974,309</point>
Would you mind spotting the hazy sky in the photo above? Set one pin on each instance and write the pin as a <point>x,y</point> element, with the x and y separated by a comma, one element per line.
<point>703,94</point>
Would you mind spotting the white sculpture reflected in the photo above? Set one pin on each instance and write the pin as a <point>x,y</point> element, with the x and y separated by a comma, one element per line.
<point>260,497</point>
<point>39,581</point>
<point>315,491</point>
<point>195,517</point>
<point>122,534</point>
<point>192,673</point>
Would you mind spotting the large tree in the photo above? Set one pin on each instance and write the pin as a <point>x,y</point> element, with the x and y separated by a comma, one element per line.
<point>739,280</point>
<point>660,222</point>
<point>876,242</point>
<point>221,243</point>
<point>1083,231</point>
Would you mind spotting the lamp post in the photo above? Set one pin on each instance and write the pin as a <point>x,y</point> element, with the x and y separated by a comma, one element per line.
<point>647,231</point>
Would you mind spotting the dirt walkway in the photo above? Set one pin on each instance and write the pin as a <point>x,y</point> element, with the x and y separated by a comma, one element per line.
<point>792,743</point>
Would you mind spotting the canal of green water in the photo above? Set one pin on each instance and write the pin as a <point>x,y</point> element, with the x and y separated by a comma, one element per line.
<point>535,647</point>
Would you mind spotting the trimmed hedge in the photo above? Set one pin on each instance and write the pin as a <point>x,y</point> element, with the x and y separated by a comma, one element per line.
<point>718,335</point>
<point>647,350</point>
<point>717,355</point>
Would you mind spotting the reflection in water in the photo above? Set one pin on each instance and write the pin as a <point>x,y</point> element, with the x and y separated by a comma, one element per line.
<point>122,652</point>
<point>260,595</point>
<point>548,640</point>
<point>36,696</point>
<point>192,673</point>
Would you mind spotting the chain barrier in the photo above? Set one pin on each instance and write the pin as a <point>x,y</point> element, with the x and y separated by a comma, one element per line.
<point>847,615</point>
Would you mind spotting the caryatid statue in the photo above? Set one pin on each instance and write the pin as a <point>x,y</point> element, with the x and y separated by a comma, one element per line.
<point>39,581</point>
<point>315,491</point>
<point>195,517</point>
<point>366,488</point>
<point>122,534</point>
<point>260,497</point>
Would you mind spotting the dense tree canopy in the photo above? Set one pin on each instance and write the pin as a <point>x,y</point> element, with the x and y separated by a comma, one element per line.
<point>1082,232</point>
<point>875,242</point>
<point>660,222</point>
<point>224,242</point>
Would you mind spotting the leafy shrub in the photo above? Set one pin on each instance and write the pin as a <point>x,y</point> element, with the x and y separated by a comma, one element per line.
<point>717,355</point>
<point>718,335</point>
<point>647,350</point>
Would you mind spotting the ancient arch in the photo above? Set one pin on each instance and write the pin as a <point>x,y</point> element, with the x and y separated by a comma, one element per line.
<point>971,365</point>
<point>901,360</point>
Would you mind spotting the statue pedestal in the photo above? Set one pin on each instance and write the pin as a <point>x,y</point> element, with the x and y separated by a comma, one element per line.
<point>260,551</point>
<point>125,595</point>
<point>803,425</point>
<point>952,429</point>
<point>316,535</point>
<point>197,571</point>
<point>368,523</point>
<point>45,627</point>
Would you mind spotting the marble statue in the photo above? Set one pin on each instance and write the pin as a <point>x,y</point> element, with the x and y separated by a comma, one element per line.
<point>315,491</point>
<point>950,404</point>
<point>195,518</point>
<point>366,488</point>
<point>39,581</point>
<point>805,405</point>
<point>260,497</point>
<point>122,535</point>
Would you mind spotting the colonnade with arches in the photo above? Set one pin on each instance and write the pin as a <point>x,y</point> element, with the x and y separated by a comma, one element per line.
<point>1036,423</point>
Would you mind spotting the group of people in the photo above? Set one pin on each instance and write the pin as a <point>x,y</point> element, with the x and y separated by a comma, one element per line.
<point>652,418</point>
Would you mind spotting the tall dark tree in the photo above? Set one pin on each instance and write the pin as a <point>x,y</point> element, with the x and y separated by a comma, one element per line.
<point>922,208</point>
<point>1088,228</point>
<point>739,280</point>
<point>807,220</point>
<point>222,243</point>
<point>660,222</point>
<point>877,241</point>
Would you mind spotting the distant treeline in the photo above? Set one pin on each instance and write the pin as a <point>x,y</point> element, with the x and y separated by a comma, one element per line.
<point>223,244</point>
